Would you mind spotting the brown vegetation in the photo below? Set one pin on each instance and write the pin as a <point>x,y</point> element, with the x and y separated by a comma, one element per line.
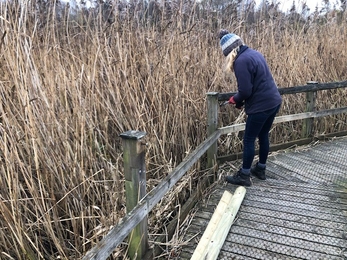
<point>72,82</point>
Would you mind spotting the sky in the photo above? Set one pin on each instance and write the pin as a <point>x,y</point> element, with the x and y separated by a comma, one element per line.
<point>285,5</point>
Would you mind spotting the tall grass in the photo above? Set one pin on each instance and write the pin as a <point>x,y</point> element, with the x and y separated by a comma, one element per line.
<point>69,87</point>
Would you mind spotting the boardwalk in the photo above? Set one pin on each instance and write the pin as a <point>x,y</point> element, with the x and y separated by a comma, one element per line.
<point>299,212</point>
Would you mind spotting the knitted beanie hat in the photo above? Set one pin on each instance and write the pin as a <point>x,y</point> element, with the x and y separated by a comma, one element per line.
<point>229,41</point>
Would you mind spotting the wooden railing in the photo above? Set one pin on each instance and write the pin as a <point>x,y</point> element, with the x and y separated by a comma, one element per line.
<point>139,204</point>
<point>308,116</point>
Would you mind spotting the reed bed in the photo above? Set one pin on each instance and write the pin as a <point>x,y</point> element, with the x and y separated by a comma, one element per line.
<point>71,84</point>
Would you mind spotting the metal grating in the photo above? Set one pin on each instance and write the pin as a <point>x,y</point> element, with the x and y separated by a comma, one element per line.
<point>299,212</point>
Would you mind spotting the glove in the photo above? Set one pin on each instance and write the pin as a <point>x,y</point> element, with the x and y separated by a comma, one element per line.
<point>239,105</point>
<point>232,101</point>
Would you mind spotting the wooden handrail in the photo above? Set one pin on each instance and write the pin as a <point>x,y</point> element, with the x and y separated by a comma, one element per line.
<point>107,245</point>
<point>293,90</point>
<point>287,118</point>
<point>310,89</point>
<point>118,233</point>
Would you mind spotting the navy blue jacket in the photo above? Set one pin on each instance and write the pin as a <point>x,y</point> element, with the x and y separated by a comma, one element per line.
<point>256,86</point>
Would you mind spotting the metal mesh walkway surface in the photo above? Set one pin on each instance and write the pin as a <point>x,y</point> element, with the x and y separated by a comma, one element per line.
<point>299,212</point>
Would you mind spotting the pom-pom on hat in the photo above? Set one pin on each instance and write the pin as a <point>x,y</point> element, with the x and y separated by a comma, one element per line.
<point>229,41</point>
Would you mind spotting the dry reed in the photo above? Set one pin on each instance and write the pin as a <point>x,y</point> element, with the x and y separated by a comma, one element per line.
<point>70,87</point>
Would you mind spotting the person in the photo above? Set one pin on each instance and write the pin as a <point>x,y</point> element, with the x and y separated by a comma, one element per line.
<point>258,93</point>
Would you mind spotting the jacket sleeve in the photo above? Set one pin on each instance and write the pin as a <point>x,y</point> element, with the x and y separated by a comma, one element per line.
<point>244,71</point>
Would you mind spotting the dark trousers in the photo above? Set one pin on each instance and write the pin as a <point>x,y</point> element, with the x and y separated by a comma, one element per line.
<point>258,125</point>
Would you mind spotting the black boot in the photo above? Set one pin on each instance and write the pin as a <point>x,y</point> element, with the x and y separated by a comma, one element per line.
<point>258,172</point>
<point>239,179</point>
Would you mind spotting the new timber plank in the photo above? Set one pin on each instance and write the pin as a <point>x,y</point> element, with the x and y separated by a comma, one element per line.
<point>219,225</point>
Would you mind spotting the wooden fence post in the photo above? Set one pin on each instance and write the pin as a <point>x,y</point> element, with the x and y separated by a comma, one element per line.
<point>212,125</point>
<point>135,188</point>
<point>307,129</point>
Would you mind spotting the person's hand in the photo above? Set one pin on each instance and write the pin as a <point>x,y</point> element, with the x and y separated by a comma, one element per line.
<point>239,105</point>
<point>232,101</point>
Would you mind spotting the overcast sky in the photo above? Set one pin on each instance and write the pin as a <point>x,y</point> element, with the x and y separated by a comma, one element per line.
<point>285,5</point>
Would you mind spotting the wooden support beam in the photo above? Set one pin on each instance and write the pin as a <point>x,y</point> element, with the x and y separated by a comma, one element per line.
<point>218,228</point>
<point>117,234</point>
<point>307,128</point>
<point>135,188</point>
<point>212,125</point>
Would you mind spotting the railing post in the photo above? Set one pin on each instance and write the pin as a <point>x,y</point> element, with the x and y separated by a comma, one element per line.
<point>135,188</point>
<point>307,129</point>
<point>212,125</point>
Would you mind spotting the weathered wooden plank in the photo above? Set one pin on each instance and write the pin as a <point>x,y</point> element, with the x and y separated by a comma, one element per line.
<point>278,207</point>
<point>186,254</point>
<point>290,232</point>
<point>135,188</point>
<point>321,113</point>
<point>329,161</point>
<point>307,126</point>
<point>107,245</point>
<point>309,169</point>
<point>319,227</point>
<point>286,227</point>
<point>117,234</point>
<point>254,241</point>
<point>287,118</point>
<point>324,208</point>
<point>316,220</point>
<point>332,205</point>
<point>313,87</point>
<point>316,167</point>
<point>283,183</point>
<point>275,241</point>
<point>212,125</point>
<point>294,90</point>
<point>251,251</point>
